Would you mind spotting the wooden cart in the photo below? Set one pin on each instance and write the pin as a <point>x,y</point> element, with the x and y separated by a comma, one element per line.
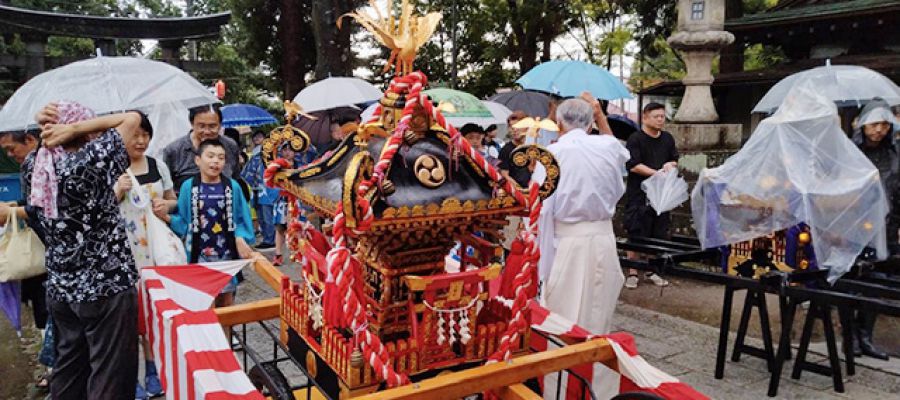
<point>505,379</point>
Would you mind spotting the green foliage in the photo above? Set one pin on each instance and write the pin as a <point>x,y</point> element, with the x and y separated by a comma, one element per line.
<point>654,19</point>
<point>649,71</point>
<point>614,42</point>
<point>244,83</point>
<point>755,6</point>
<point>69,47</point>
<point>759,56</point>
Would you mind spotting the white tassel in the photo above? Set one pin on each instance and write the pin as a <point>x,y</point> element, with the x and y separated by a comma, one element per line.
<point>317,315</point>
<point>440,328</point>
<point>452,330</point>
<point>464,333</point>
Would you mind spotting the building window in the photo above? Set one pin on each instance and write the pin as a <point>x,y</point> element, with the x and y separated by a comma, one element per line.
<point>697,7</point>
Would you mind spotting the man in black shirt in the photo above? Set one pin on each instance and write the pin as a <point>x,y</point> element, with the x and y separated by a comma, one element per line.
<point>651,149</point>
<point>516,139</point>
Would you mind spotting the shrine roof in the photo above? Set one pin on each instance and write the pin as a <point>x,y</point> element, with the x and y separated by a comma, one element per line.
<point>796,11</point>
<point>887,64</point>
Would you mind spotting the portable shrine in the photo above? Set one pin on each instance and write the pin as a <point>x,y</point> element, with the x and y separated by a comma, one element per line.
<point>402,190</point>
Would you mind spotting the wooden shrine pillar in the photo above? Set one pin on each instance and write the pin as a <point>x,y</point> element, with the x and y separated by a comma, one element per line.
<point>35,51</point>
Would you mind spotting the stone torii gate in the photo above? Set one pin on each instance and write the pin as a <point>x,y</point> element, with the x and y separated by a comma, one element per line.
<point>36,26</point>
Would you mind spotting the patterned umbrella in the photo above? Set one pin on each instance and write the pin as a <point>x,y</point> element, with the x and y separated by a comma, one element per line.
<point>10,293</point>
<point>467,108</point>
<point>245,115</point>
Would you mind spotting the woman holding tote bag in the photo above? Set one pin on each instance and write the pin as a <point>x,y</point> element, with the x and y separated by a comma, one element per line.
<point>146,185</point>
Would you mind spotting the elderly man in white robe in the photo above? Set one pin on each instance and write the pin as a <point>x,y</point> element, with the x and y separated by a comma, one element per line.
<point>579,265</point>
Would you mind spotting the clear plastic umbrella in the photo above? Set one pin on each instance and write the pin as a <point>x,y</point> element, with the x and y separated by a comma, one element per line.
<point>336,92</point>
<point>665,190</point>
<point>846,85</point>
<point>112,84</point>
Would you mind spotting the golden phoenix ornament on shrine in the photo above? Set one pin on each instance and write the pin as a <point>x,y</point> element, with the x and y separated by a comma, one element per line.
<point>403,35</point>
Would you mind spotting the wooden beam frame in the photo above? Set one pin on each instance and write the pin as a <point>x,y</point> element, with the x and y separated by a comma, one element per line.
<point>249,312</point>
<point>258,310</point>
<point>501,374</point>
<point>268,272</point>
<point>517,392</point>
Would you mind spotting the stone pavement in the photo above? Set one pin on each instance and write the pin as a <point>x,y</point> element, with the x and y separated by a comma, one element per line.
<point>687,350</point>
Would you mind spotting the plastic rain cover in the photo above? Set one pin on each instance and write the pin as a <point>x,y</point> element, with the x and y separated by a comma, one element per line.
<point>665,190</point>
<point>798,166</point>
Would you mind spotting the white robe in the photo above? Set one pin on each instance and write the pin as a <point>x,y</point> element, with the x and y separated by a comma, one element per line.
<point>579,263</point>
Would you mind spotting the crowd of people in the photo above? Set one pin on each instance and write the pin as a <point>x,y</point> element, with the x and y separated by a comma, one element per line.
<point>89,189</point>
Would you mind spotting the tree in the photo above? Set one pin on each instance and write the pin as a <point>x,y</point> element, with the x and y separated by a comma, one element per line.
<point>281,57</point>
<point>531,21</point>
<point>659,63</point>
<point>654,19</point>
<point>333,56</point>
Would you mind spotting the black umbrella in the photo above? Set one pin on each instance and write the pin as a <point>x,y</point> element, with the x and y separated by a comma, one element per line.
<point>319,129</point>
<point>621,126</point>
<point>534,104</point>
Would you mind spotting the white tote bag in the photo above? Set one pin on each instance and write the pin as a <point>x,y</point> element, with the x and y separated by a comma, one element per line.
<point>21,252</point>
<point>166,248</point>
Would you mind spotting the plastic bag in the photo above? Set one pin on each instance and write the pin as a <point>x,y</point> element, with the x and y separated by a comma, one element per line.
<point>797,167</point>
<point>665,190</point>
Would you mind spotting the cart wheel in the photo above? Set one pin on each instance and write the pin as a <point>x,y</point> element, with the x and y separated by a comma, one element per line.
<point>636,396</point>
<point>266,375</point>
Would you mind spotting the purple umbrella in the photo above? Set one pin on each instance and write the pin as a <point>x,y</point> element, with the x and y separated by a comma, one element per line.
<point>319,130</point>
<point>11,304</point>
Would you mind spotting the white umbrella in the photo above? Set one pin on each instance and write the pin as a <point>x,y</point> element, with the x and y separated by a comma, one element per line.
<point>366,115</point>
<point>112,84</point>
<point>847,85</point>
<point>499,111</point>
<point>336,92</point>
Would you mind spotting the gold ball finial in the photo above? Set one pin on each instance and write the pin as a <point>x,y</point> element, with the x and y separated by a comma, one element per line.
<point>804,238</point>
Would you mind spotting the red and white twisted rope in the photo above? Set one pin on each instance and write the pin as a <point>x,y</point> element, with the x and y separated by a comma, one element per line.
<point>345,276</point>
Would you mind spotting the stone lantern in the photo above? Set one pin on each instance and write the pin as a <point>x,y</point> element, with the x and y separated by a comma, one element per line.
<point>699,37</point>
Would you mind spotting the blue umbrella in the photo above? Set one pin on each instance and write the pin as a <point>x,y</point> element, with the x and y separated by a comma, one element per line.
<point>10,303</point>
<point>570,78</point>
<point>245,115</point>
